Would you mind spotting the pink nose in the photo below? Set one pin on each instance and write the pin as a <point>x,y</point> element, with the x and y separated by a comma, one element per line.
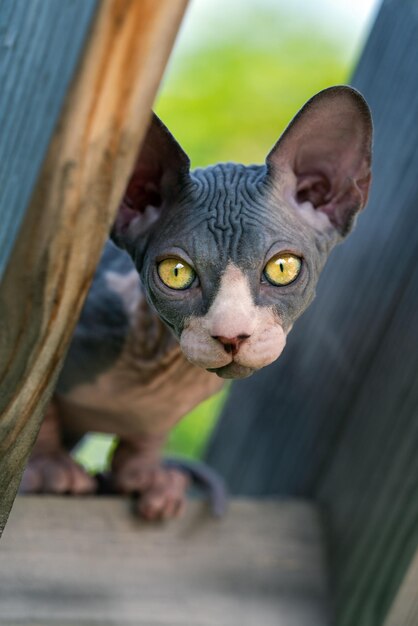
<point>231,344</point>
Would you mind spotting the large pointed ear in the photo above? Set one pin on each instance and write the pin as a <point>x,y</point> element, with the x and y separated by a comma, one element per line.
<point>323,158</point>
<point>160,171</point>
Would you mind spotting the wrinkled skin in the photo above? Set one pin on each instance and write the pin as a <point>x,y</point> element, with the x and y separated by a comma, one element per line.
<point>144,353</point>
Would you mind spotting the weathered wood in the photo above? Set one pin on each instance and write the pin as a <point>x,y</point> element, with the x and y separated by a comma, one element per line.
<point>80,186</point>
<point>40,42</point>
<point>89,561</point>
<point>336,418</point>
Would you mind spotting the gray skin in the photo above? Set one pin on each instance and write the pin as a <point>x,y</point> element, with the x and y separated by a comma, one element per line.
<point>227,213</point>
<point>125,372</point>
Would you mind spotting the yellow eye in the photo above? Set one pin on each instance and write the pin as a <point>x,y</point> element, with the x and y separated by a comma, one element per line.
<point>176,274</point>
<point>283,269</point>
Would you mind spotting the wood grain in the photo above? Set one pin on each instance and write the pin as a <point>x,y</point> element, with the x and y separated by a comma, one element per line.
<point>80,185</point>
<point>89,561</point>
<point>40,43</point>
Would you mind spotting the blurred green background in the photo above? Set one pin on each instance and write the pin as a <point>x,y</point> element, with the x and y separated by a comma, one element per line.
<point>238,73</point>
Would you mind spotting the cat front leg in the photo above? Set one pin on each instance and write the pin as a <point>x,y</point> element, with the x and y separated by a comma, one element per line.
<point>137,468</point>
<point>51,469</point>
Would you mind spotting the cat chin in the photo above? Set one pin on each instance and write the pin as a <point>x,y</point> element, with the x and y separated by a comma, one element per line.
<point>232,370</point>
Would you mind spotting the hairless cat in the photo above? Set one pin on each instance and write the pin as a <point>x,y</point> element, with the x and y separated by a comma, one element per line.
<point>210,270</point>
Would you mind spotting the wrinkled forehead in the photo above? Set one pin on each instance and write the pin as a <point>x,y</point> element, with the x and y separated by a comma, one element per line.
<point>226,214</point>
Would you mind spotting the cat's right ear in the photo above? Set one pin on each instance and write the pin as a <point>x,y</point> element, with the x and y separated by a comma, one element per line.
<point>161,170</point>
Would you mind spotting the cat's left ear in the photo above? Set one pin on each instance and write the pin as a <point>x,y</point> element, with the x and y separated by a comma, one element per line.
<point>161,170</point>
<point>324,156</point>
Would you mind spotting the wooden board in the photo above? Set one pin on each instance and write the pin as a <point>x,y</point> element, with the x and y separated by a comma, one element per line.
<point>336,418</point>
<point>89,561</point>
<point>86,169</point>
<point>40,43</point>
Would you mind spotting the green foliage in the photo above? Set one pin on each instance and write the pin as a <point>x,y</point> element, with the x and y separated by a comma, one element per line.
<point>230,99</point>
<point>190,436</point>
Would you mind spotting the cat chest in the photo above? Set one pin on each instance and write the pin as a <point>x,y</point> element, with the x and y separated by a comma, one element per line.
<point>120,402</point>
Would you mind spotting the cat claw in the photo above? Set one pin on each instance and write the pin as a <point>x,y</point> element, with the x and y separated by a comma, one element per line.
<point>56,473</point>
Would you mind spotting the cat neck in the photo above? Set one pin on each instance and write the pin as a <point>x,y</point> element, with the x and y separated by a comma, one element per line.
<point>150,348</point>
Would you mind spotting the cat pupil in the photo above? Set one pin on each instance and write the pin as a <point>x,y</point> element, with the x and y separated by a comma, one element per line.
<point>281,267</point>
<point>176,271</point>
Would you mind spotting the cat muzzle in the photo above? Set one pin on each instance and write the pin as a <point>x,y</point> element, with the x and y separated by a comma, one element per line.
<point>232,357</point>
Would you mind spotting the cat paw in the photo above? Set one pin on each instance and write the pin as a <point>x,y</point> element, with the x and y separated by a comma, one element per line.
<point>56,472</point>
<point>162,491</point>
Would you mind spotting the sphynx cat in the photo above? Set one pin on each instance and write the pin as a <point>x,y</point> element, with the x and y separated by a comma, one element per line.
<point>207,274</point>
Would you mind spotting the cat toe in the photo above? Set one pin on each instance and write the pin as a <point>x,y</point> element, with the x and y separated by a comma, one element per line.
<point>56,473</point>
<point>167,499</point>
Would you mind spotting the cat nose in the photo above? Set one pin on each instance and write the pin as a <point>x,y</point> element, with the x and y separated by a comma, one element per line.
<point>231,344</point>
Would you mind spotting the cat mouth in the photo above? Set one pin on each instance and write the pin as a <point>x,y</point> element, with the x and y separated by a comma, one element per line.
<point>232,370</point>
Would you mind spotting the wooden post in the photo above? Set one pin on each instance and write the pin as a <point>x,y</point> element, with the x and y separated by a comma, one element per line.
<point>82,180</point>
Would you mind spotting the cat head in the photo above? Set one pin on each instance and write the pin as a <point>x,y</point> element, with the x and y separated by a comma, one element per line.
<point>229,255</point>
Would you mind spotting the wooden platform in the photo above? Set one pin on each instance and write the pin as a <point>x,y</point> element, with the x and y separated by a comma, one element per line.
<point>89,561</point>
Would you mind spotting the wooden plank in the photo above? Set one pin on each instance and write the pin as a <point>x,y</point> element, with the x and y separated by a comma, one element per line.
<point>336,417</point>
<point>81,183</point>
<point>369,480</point>
<point>40,42</point>
<point>89,561</point>
<point>370,484</point>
